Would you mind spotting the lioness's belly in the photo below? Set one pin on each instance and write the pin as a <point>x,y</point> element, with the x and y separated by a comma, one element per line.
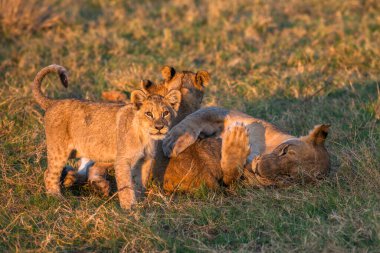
<point>198,164</point>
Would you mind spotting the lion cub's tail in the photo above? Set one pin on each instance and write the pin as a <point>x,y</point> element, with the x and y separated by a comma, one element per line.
<point>41,99</point>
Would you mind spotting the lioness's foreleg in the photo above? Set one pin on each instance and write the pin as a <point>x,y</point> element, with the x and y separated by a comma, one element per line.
<point>204,122</point>
<point>235,150</point>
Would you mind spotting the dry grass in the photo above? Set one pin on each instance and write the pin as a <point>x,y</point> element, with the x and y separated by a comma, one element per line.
<point>295,63</point>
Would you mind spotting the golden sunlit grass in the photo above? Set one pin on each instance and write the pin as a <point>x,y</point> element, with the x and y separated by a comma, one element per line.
<point>294,63</point>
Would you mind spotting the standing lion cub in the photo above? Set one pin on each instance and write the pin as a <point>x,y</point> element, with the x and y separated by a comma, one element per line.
<point>104,131</point>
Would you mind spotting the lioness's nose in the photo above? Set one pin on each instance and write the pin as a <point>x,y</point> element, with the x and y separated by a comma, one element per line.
<point>159,126</point>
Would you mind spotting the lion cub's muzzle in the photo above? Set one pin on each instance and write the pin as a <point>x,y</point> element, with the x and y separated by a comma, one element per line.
<point>159,130</point>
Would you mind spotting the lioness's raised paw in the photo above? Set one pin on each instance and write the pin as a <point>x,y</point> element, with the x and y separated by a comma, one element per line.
<point>177,141</point>
<point>235,150</point>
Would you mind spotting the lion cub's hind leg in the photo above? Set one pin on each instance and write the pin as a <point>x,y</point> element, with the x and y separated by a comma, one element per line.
<point>235,150</point>
<point>57,158</point>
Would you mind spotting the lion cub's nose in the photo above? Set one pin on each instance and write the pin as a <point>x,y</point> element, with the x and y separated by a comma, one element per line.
<point>159,126</point>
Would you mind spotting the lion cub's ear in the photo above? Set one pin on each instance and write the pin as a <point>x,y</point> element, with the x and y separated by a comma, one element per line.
<point>146,84</point>
<point>202,79</point>
<point>137,98</point>
<point>168,73</point>
<point>174,99</point>
<point>318,135</point>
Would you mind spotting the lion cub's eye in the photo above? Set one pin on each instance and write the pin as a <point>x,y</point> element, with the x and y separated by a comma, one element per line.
<point>149,115</point>
<point>165,113</point>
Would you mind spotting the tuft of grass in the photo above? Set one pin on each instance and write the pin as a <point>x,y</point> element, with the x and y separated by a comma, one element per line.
<point>295,63</point>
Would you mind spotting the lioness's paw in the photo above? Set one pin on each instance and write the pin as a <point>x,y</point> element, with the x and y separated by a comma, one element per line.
<point>176,142</point>
<point>235,150</point>
<point>236,143</point>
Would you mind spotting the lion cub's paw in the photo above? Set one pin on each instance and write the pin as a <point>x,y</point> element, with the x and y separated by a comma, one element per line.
<point>97,177</point>
<point>102,185</point>
<point>127,199</point>
<point>69,176</point>
<point>235,150</point>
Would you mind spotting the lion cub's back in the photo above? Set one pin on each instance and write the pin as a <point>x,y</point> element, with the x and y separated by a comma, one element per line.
<point>89,127</point>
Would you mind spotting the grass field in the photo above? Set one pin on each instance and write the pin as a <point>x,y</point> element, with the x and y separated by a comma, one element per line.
<point>295,63</point>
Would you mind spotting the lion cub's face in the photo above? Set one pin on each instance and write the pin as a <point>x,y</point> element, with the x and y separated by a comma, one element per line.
<point>192,87</point>
<point>156,112</point>
<point>301,159</point>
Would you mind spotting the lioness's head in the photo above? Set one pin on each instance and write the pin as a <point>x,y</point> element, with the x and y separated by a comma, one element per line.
<point>156,112</point>
<point>192,87</point>
<point>300,160</point>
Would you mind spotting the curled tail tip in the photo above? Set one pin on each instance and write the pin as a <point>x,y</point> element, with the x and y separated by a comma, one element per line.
<point>63,77</point>
<point>62,72</point>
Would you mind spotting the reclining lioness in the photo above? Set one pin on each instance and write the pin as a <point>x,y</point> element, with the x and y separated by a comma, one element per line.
<point>249,147</point>
<point>76,128</point>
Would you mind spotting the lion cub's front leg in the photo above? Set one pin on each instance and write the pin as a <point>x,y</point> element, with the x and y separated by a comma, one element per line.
<point>125,184</point>
<point>132,176</point>
<point>235,150</point>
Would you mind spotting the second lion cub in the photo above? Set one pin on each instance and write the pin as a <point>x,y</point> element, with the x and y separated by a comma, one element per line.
<point>100,131</point>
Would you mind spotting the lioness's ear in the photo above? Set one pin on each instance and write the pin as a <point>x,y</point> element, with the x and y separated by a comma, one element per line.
<point>137,98</point>
<point>146,84</point>
<point>318,135</point>
<point>202,78</point>
<point>167,73</point>
<point>174,99</point>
